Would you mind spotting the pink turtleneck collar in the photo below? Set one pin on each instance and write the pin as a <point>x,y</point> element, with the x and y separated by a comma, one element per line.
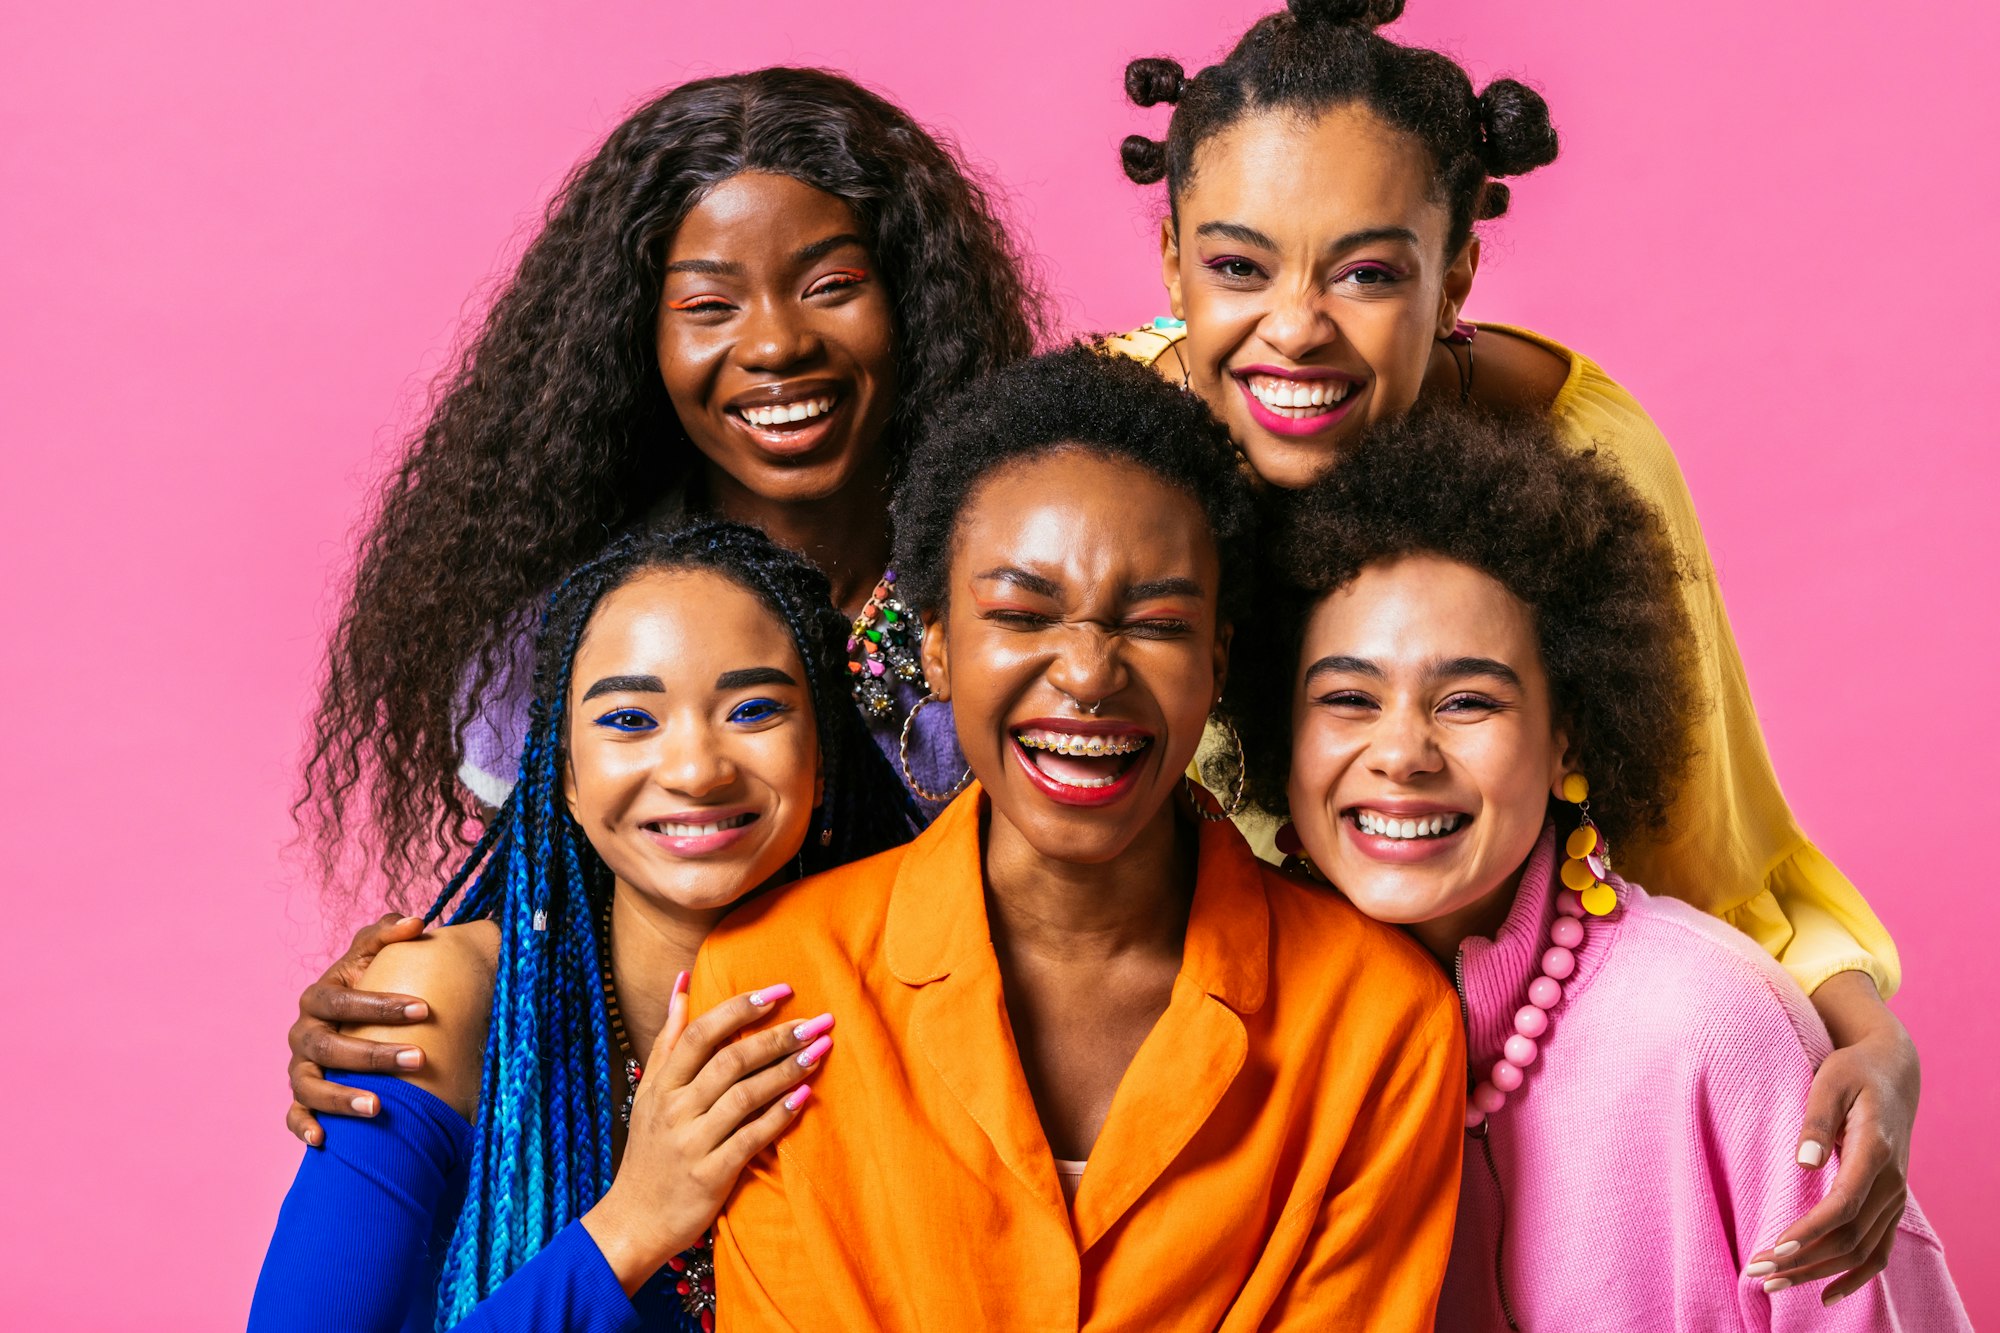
<point>1494,974</point>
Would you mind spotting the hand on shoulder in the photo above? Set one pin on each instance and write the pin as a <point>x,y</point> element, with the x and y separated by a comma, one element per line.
<point>452,968</point>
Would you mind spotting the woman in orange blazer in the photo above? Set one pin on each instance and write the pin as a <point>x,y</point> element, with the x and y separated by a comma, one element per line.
<point>1098,1067</point>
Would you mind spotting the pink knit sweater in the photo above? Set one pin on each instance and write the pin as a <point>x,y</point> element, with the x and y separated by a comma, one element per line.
<point>1651,1151</point>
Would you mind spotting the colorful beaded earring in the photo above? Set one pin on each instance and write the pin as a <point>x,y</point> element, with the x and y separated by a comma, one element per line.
<point>883,643</point>
<point>1588,861</point>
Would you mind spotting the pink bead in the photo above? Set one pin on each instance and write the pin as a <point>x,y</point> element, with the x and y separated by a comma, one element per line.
<point>1569,903</point>
<point>1488,1098</point>
<point>1520,1050</point>
<point>1474,1117</point>
<point>1566,931</point>
<point>1506,1076</point>
<point>1544,993</point>
<point>1530,1022</point>
<point>1558,963</point>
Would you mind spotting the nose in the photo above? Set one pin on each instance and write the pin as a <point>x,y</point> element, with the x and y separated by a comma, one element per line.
<point>1298,324</point>
<point>1403,745</point>
<point>690,763</point>
<point>776,336</point>
<point>1088,666</point>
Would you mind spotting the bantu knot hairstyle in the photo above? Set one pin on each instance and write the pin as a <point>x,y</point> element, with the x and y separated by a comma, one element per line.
<point>1558,527</point>
<point>1319,54</point>
<point>1070,398</point>
<point>541,1150</point>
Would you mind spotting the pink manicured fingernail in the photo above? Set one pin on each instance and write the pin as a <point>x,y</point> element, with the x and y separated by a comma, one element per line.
<point>681,983</point>
<point>364,1105</point>
<point>812,1027</point>
<point>770,995</point>
<point>1811,1153</point>
<point>409,1059</point>
<point>810,1055</point>
<point>1764,1269</point>
<point>1776,1285</point>
<point>1787,1250</point>
<point>797,1097</point>
<point>416,1011</point>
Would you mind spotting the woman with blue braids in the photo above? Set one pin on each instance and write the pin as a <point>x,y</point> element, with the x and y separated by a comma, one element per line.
<point>689,745</point>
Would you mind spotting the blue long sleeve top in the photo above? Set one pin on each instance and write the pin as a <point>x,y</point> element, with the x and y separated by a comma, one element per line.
<point>361,1239</point>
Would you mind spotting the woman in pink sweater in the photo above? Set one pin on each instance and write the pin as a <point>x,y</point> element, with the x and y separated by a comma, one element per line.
<point>1488,666</point>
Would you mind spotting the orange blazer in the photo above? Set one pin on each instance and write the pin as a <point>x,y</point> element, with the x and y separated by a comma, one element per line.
<point>1282,1153</point>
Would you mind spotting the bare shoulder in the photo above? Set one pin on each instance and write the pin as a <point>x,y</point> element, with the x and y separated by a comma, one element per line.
<point>1170,365</point>
<point>1515,374</point>
<point>451,968</point>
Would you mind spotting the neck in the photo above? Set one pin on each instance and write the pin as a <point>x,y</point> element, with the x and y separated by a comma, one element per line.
<point>1482,919</point>
<point>846,533</point>
<point>1066,911</point>
<point>652,942</point>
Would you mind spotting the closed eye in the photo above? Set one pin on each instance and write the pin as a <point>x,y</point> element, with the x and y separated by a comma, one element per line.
<point>1158,628</point>
<point>627,719</point>
<point>1015,618</point>
<point>1353,699</point>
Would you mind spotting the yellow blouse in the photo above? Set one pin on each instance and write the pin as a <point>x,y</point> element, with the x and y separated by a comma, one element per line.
<point>1732,847</point>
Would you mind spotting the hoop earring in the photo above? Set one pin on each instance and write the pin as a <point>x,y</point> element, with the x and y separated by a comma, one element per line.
<point>1588,862</point>
<point>1461,336</point>
<point>903,756</point>
<point>1234,805</point>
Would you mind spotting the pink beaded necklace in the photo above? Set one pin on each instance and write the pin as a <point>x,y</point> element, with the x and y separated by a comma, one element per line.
<point>1588,866</point>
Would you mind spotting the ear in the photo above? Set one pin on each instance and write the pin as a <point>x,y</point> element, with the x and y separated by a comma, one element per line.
<point>819,788</point>
<point>1224,635</point>
<point>935,657</point>
<point>1457,286</point>
<point>568,782</point>
<point>1170,267</point>
<point>1565,762</point>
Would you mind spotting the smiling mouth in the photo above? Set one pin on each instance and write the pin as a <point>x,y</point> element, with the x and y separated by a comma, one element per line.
<point>1297,400</point>
<point>1406,828</point>
<point>678,829</point>
<point>1083,761</point>
<point>798,414</point>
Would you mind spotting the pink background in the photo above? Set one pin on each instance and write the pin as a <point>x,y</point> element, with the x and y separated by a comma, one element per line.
<point>236,240</point>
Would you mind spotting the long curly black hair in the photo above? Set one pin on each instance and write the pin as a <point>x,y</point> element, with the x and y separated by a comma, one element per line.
<point>1317,54</point>
<point>554,431</point>
<point>1559,528</point>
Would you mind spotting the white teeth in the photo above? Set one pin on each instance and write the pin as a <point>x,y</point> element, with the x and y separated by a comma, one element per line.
<point>1297,396</point>
<point>1430,826</point>
<point>786,413</point>
<point>677,830</point>
<point>1081,747</point>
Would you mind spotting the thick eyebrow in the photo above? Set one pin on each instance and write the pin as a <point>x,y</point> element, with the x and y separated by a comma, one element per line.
<point>1236,231</point>
<point>625,685</point>
<point>1474,666</point>
<point>1167,587</point>
<point>1447,669</point>
<point>819,250</point>
<point>1027,582</point>
<point>722,268</point>
<point>1349,666</point>
<point>744,677</point>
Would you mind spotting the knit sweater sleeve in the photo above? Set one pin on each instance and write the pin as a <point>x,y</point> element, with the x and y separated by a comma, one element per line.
<point>1751,1062</point>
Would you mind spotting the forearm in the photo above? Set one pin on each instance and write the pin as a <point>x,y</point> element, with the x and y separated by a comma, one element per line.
<point>1854,1011</point>
<point>569,1286</point>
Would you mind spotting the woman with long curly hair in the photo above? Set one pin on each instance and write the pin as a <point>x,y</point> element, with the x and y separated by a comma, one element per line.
<point>1323,185</point>
<point>743,303</point>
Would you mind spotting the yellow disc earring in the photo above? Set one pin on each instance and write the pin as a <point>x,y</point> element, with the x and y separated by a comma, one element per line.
<point>1588,861</point>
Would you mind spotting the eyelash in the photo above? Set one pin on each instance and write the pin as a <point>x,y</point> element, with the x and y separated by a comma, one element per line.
<point>770,708</point>
<point>1145,629</point>
<point>610,720</point>
<point>709,303</point>
<point>1388,276</point>
<point>1219,267</point>
<point>1385,275</point>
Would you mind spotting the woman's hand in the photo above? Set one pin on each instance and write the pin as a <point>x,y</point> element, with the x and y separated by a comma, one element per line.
<point>318,1046</point>
<point>1864,1098</point>
<point>703,1110</point>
